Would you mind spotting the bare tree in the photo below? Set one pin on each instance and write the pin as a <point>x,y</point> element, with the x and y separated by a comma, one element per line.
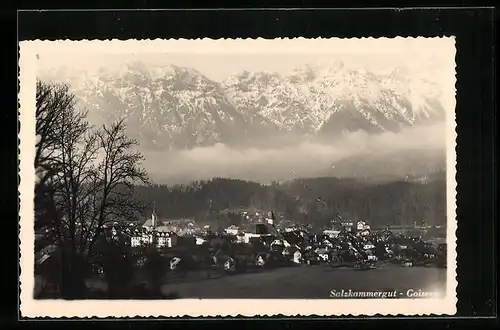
<point>54,105</point>
<point>117,172</point>
<point>85,179</point>
<point>64,153</point>
<point>59,126</point>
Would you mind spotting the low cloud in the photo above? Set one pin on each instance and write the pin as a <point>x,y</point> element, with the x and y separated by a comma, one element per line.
<point>304,159</point>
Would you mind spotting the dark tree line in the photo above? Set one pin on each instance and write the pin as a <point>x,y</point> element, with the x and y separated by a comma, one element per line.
<point>217,196</point>
<point>313,201</point>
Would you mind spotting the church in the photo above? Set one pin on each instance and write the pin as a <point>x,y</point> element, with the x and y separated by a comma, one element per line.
<point>154,232</point>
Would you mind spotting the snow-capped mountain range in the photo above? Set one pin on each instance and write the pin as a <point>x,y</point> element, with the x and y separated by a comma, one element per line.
<point>176,107</point>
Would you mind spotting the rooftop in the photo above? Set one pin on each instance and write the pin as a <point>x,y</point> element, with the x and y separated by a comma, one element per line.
<point>148,223</point>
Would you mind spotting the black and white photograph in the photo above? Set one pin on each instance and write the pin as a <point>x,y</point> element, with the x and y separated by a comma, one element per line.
<point>238,174</point>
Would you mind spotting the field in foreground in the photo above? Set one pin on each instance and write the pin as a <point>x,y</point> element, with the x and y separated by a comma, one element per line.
<point>311,282</point>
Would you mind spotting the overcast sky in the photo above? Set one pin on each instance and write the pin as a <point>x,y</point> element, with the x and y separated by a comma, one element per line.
<point>219,60</point>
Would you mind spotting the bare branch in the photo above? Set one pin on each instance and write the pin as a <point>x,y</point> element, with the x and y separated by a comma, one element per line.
<point>91,172</point>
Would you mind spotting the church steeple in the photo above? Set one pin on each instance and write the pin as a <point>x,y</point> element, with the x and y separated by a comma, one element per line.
<point>153,216</point>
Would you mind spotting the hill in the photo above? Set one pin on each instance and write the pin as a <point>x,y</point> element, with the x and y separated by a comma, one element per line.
<point>313,200</point>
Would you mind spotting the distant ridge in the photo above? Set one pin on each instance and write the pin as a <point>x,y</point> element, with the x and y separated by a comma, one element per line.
<point>169,106</point>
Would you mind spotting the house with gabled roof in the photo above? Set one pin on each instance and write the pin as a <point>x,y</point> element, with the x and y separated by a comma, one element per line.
<point>259,230</point>
<point>154,232</point>
<point>232,230</point>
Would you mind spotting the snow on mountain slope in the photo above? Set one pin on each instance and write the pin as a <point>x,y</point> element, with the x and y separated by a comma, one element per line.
<point>423,94</point>
<point>163,106</point>
<point>174,107</point>
<point>269,96</point>
<point>329,98</point>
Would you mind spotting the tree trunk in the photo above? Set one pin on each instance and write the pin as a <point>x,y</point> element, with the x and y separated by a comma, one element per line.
<point>115,287</point>
<point>73,280</point>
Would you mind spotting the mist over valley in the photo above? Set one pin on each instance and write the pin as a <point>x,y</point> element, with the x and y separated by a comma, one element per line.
<point>318,120</point>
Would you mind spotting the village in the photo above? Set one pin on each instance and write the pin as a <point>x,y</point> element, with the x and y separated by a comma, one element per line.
<point>259,226</point>
<point>263,243</point>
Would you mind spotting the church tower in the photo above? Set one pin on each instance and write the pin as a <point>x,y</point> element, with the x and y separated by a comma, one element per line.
<point>154,217</point>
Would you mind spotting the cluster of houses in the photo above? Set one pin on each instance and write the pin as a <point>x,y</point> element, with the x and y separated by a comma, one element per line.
<point>255,230</point>
<point>259,226</point>
<point>168,234</point>
<point>361,228</point>
<point>164,234</point>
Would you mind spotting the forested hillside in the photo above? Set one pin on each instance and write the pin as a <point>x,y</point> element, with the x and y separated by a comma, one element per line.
<point>312,201</point>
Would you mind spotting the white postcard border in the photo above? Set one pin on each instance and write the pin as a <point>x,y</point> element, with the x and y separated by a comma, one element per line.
<point>211,307</point>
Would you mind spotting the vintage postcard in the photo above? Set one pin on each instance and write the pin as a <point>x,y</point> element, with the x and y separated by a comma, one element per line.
<point>237,177</point>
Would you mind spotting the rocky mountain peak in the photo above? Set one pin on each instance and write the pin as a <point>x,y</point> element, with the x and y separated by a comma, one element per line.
<point>170,106</point>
